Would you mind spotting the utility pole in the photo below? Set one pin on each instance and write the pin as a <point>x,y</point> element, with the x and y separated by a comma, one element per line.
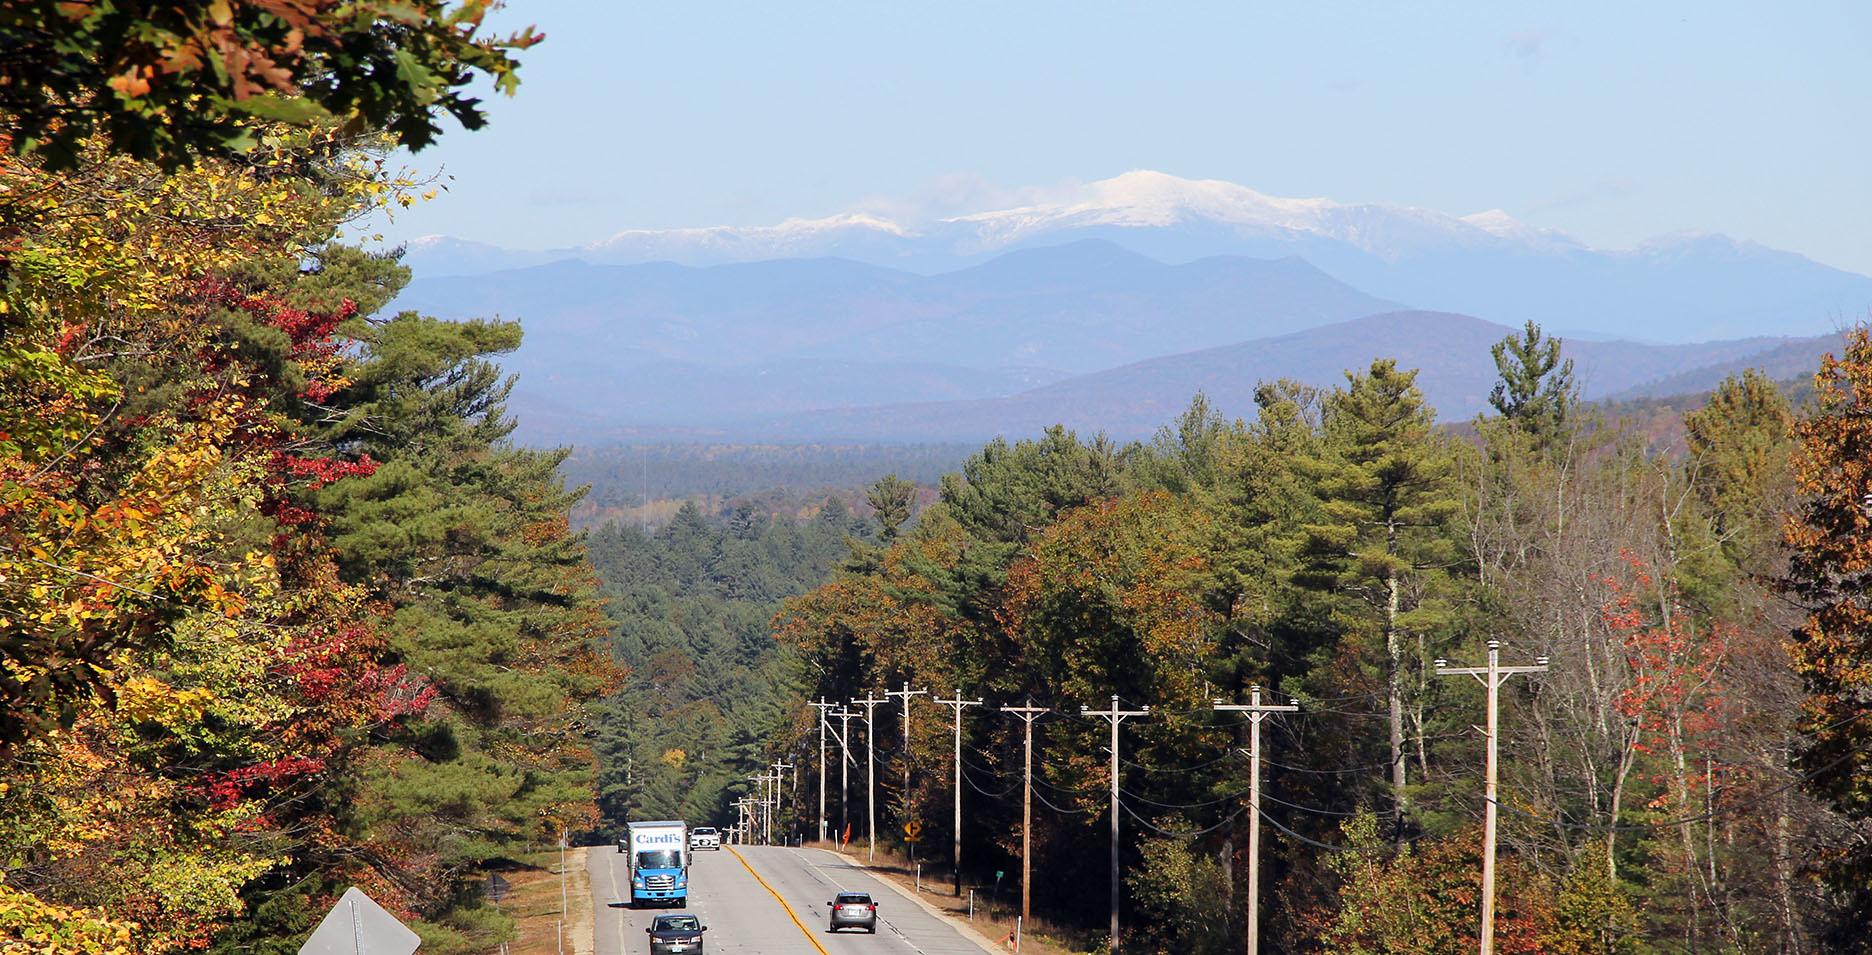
<point>1257,711</point>
<point>1116,716</point>
<point>844,716</point>
<point>870,704</point>
<point>777,777</point>
<point>958,703</point>
<point>1027,715</point>
<point>906,693</point>
<point>1491,676</point>
<point>755,796</point>
<point>822,707</point>
<point>764,818</point>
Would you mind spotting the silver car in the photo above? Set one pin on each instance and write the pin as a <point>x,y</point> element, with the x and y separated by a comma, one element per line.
<point>853,910</point>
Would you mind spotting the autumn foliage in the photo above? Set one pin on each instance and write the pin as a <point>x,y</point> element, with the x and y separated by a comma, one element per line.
<point>210,713</point>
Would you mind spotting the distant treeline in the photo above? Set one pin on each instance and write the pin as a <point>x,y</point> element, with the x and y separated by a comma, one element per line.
<point>626,476</point>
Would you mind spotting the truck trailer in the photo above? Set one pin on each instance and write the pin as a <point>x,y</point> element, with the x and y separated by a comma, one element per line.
<point>658,855</point>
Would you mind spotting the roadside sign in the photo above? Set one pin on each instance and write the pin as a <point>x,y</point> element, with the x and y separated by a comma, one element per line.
<point>357,925</point>
<point>913,830</point>
<point>497,887</point>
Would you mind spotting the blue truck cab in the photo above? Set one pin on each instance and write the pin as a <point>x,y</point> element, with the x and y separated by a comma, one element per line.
<point>658,856</point>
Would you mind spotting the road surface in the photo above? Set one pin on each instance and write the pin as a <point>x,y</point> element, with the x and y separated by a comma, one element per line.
<point>743,915</point>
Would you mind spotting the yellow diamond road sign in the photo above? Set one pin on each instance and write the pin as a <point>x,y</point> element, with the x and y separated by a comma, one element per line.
<point>913,829</point>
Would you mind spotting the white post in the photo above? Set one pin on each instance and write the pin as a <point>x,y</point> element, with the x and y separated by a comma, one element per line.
<point>870,705</point>
<point>906,693</point>
<point>1027,714</point>
<point>1256,713</point>
<point>958,703</point>
<point>1492,677</point>
<point>822,706</point>
<point>1116,716</point>
<point>844,717</point>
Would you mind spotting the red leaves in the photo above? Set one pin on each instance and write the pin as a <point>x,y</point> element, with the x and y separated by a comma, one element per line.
<point>340,673</point>
<point>322,471</point>
<point>226,790</point>
<point>1675,694</point>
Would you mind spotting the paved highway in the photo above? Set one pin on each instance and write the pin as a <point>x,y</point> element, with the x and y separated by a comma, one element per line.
<point>743,915</point>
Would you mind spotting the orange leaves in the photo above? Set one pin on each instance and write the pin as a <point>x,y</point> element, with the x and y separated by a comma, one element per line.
<point>1107,598</point>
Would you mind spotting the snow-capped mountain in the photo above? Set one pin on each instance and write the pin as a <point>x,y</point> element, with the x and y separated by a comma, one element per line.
<point>1676,288</point>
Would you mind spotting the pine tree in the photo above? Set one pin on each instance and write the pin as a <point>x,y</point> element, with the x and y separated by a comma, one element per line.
<point>1741,444</point>
<point>1536,393</point>
<point>892,498</point>
<point>1385,488</point>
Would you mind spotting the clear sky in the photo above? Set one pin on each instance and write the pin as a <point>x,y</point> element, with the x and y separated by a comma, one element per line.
<point>1613,121</point>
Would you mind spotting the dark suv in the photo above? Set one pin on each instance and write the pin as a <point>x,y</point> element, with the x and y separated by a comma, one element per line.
<point>853,910</point>
<point>676,935</point>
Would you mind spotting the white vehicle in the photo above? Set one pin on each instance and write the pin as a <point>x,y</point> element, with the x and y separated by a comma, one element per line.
<point>705,837</point>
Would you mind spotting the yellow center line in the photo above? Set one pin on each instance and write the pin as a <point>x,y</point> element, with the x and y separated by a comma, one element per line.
<point>783,903</point>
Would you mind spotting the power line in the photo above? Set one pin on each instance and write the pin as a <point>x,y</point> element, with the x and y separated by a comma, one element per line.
<point>1075,812</point>
<point>1231,817</point>
<point>1700,817</point>
<point>1199,767</point>
<point>1193,805</point>
<point>1387,847</point>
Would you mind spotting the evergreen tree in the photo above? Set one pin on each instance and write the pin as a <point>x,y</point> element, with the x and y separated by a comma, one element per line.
<point>1004,494</point>
<point>1386,492</point>
<point>892,499</point>
<point>1741,446</point>
<point>461,539</point>
<point>1537,393</point>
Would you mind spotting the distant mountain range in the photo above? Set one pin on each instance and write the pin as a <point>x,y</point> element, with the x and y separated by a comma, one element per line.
<point>1693,287</point>
<point>1450,352</point>
<point>1106,310</point>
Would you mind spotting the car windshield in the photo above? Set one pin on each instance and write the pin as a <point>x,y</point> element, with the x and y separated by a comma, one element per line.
<point>854,898</point>
<point>678,923</point>
<point>659,859</point>
<point>705,831</point>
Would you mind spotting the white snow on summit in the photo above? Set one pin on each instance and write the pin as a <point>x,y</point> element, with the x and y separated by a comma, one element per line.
<point>1497,222</point>
<point>789,231</point>
<point>1147,199</point>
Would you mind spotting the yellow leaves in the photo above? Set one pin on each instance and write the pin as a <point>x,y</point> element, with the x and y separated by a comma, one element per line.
<point>149,700</point>
<point>47,929</point>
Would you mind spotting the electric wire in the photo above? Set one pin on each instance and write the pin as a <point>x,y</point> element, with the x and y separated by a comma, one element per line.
<point>1192,805</point>
<point>1387,847</point>
<point>1049,804</point>
<point>1700,817</point>
<point>993,795</point>
<point>1346,770</point>
<point>1199,767</point>
<point>1231,817</point>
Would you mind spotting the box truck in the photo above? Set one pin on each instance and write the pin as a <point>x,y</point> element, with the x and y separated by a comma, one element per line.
<point>658,856</point>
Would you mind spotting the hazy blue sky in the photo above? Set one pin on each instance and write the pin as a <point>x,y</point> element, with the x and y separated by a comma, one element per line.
<point>1614,121</point>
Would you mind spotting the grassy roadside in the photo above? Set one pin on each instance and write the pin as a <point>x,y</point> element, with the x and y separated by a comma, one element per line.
<point>533,898</point>
<point>1037,937</point>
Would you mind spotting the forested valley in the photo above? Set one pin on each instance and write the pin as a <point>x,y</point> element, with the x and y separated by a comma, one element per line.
<point>1688,774</point>
<point>692,604</point>
<point>284,608</point>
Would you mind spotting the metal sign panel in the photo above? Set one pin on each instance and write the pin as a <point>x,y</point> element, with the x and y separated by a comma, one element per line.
<point>358,926</point>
